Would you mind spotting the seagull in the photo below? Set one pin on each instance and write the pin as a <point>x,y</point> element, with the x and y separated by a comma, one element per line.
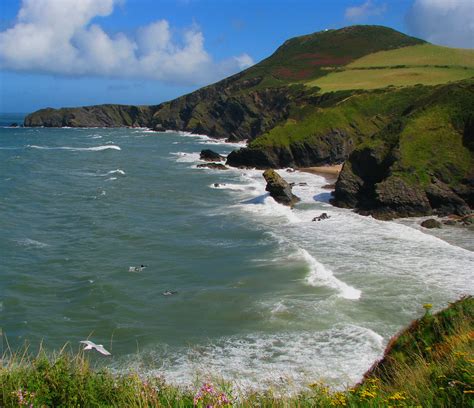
<point>99,347</point>
<point>136,268</point>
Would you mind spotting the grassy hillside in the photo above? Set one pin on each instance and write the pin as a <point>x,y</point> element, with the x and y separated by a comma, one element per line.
<point>309,56</point>
<point>407,66</point>
<point>430,364</point>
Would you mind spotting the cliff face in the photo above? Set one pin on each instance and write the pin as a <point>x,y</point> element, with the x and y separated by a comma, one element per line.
<point>247,104</point>
<point>92,116</point>
<point>230,109</point>
<point>422,163</point>
<point>408,150</point>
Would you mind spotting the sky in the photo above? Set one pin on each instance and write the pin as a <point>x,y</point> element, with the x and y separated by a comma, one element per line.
<point>56,53</point>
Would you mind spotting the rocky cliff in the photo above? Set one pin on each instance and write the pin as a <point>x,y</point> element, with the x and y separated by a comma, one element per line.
<point>408,149</point>
<point>420,163</point>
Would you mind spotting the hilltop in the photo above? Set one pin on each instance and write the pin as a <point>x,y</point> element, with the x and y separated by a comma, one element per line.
<point>397,110</point>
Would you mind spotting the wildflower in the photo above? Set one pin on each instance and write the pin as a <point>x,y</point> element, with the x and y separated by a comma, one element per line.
<point>398,396</point>
<point>339,399</point>
<point>365,394</point>
<point>427,306</point>
<point>222,399</point>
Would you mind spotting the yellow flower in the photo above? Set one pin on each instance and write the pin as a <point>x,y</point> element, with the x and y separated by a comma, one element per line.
<point>398,396</point>
<point>427,306</point>
<point>339,399</point>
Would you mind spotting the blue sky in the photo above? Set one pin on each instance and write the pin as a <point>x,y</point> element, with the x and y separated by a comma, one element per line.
<point>82,52</point>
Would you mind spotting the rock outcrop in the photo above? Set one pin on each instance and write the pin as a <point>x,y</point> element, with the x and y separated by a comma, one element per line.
<point>431,223</point>
<point>279,189</point>
<point>210,155</point>
<point>331,148</point>
<point>215,166</point>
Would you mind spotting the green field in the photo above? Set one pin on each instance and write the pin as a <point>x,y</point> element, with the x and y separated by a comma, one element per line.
<point>381,78</point>
<point>420,64</point>
<point>417,55</point>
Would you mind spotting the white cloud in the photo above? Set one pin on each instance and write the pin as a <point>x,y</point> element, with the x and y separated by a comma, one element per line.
<point>57,36</point>
<point>445,22</point>
<point>364,11</point>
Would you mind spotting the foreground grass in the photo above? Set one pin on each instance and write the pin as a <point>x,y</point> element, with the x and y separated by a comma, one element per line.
<point>430,364</point>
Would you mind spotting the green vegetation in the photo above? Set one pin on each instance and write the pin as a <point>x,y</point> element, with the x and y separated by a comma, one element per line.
<point>430,364</point>
<point>417,55</point>
<point>398,77</point>
<point>306,57</point>
<point>358,114</point>
<point>418,64</point>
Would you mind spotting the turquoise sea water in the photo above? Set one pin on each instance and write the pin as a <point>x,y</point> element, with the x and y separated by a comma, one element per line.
<point>264,295</point>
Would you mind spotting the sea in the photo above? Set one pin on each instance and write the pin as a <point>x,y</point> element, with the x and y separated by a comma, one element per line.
<point>236,287</point>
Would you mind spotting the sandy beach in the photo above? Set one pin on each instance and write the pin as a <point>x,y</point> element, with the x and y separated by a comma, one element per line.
<point>330,172</point>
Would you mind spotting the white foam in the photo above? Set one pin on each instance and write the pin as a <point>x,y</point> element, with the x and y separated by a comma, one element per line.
<point>183,157</point>
<point>111,179</point>
<point>31,243</point>
<point>285,362</point>
<point>77,149</point>
<point>205,139</point>
<point>319,275</point>
<point>118,171</point>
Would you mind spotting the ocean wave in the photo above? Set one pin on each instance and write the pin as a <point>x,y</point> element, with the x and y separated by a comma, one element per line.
<point>118,171</point>
<point>319,275</point>
<point>255,362</point>
<point>31,243</point>
<point>182,157</point>
<point>77,149</point>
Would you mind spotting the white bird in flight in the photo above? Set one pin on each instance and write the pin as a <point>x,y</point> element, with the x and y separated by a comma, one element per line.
<point>99,347</point>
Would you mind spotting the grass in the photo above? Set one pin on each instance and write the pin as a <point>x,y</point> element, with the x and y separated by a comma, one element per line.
<point>407,66</point>
<point>417,55</point>
<point>429,364</point>
<point>359,115</point>
<point>430,146</point>
<point>381,78</point>
<point>303,58</point>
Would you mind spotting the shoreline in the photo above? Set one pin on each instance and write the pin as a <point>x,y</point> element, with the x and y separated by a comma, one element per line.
<point>331,173</point>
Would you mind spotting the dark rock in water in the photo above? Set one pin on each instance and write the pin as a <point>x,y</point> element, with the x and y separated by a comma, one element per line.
<point>279,189</point>
<point>322,217</point>
<point>14,124</point>
<point>329,186</point>
<point>159,128</point>
<point>216,166</point>
<point>431,223</point>
<point>302,184</point>
<point>449,222</point>
<point>210,155</point>
<point>290,170</point>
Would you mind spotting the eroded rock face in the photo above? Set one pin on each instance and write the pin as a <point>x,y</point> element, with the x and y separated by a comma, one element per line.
<point>279,189</point>
<point>368,182</point>
<point>332,148</point>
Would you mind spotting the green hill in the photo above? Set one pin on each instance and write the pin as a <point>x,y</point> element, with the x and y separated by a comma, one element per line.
<point>331,97</point>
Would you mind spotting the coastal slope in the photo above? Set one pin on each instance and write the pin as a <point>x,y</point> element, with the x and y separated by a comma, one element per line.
<point>396,110</point>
